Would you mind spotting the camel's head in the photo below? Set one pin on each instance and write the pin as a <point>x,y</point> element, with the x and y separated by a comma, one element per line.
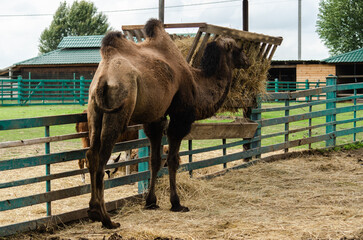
<point>223,48</point>
<point>238,57</point>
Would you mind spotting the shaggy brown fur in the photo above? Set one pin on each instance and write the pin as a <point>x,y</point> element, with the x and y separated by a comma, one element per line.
<point>143,83</point>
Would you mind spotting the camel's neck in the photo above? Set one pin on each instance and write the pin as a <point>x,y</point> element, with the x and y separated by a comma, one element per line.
<point>212,91</point>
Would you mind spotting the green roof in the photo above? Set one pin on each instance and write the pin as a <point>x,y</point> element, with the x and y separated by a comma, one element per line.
<point>71,50</point>
<point>66,56</point>
<point>349,57</point>
<point>81,41</point>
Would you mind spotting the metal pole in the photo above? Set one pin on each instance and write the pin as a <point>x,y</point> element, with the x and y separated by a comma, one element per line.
<point>299,31</point>
<point>245,15</point>
<point>161,10</point>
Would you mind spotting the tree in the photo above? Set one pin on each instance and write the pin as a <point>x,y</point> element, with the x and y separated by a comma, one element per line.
<point>78,20</point>
<point>339,25</point>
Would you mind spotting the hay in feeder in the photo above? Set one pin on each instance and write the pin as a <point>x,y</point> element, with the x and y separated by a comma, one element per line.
<point>247,84</point>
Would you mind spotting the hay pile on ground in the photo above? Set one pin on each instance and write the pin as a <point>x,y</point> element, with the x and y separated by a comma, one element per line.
<point>247,84</point>
<point>308,197</point>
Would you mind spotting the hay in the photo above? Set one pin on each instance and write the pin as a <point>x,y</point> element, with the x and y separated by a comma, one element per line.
<point>246,84</point>
<point>308,197</point>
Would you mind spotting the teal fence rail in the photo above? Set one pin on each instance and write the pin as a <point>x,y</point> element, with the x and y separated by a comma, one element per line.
<point>43,91</point>
<point>284,86</point>
<point>283,126</point>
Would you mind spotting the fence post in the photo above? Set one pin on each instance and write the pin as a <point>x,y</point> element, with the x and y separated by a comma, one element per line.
<point>144,166</point>
<point>47,171</point>
<point>287,127</point>
<point>224,141</point>
<point>20,89</point>
<point>307,86</point>
<point>257,117</point>
<point>81,90</point>
<point>190,148</point>
<point>330,119</point>
<point>276,87</point>
<point>317,86</point>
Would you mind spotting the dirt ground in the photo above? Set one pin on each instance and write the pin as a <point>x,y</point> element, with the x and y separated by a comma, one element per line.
<point>312,196</point>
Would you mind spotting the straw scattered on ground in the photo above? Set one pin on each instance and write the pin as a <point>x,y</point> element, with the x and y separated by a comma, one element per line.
<point>314,196</point>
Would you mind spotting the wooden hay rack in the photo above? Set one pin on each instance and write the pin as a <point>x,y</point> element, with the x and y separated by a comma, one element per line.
<point>266,45</point>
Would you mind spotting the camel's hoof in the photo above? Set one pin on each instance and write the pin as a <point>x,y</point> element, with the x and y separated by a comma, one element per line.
<point>152,206</point>
<point>94,215</point>
<point>110,224</point>
<point>179,209</point>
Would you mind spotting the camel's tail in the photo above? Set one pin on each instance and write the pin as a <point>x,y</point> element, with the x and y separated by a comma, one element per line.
<point>102,99</point>
<point>153,27</point>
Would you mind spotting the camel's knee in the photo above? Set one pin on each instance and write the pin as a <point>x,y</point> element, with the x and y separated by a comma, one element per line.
<point>173,162</point>
<point>91,160</point>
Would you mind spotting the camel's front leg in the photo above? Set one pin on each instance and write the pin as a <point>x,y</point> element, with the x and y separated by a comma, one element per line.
<point>98,155</point>
<point>178,129</point>
<point>154,131</point>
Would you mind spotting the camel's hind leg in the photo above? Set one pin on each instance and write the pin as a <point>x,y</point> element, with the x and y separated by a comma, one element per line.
<point>100,151</point>
<point>178,128</point>
<point>154,131</point>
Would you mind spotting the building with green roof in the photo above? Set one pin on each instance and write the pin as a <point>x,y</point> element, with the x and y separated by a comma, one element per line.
<point>349,67</point>
<point>75,56</point>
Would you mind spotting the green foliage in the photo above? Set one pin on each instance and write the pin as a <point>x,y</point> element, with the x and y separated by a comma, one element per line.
<point>339,25</point>
<point>80,19</point>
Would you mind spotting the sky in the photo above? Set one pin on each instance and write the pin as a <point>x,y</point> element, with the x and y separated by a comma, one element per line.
<point>22,22</point>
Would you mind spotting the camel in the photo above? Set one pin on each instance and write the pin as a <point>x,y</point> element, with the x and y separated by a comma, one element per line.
<point>144,83</point>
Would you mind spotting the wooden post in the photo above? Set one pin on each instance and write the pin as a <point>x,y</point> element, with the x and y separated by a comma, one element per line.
<point>331,81</point>
<point>256,117</point>
<point>161,10</point>
<point>144,166</point>
<point>190,148</point>
<point>245,15</point>
<point>47,171</point>
<point>81,90</point>
<point>276,87</point>
<point>20,89</point>
<point>287,113</point>
<point>224,151</point>
<point>307,86</point>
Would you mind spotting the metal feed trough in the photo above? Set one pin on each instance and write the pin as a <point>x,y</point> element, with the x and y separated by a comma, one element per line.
<point>264,44</point>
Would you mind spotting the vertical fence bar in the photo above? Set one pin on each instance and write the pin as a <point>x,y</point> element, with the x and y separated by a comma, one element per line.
<point>2,91</point>
<point>224,151</point>
<point>190,148</point>
<point>287,113</point>
<point>47,171</point>
<point>276,87</point>
<point>81,90</point>
<point>317,86</point>
<point>74,87</point>
<point>355,112</point>
<point>331,81</point>
<point>20,89</point>
<point>255,117</point>
<point>144,166</point>
<point>310,120</point>
<point>307,86</point>
<point>29,87</point>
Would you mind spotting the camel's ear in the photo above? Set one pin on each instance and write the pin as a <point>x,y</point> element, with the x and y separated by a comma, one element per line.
<point>210,59</point>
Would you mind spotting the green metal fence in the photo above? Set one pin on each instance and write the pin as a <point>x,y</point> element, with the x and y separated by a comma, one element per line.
<point>285,86</point>
<point>283,127</point>
<point>75,91</point>
<point>43,91</point>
